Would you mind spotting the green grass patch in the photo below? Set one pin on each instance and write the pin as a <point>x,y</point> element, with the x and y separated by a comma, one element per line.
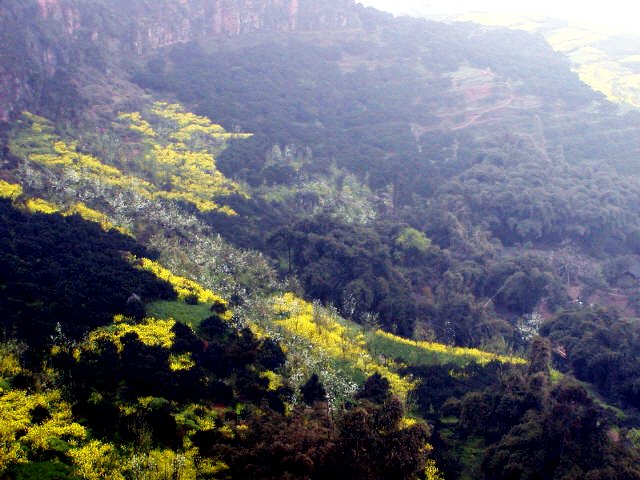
<point>555,375</point>
<point>600,400</point>
<point>449,420</point>
<point>192,315</point>
<point>428,353</point>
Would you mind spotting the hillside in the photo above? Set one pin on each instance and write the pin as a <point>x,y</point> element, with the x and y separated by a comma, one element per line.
<point>605,61</point>
<point>94,386</point>
<point>69,54</point>
<point>292,240</point>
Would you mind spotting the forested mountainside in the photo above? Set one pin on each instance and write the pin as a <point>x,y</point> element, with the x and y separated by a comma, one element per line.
<point>63,46</point>
<point>293,239</point>
<point>604,60</point>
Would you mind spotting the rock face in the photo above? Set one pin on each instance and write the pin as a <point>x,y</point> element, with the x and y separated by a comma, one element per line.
<point>40,38</point>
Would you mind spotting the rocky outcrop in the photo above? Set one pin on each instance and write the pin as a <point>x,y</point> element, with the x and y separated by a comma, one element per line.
<point>186,20</point>
<point>44,36</point>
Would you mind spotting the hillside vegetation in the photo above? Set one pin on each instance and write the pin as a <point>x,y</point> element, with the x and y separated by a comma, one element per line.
<point>184,394</point>
<point>376,282</point>
<point>605,61</point>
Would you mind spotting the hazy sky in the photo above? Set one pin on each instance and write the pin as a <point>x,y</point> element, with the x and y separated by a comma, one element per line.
<point>621,15</point>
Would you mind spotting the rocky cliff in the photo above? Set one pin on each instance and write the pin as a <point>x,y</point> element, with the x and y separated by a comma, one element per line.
<point>44,41</point>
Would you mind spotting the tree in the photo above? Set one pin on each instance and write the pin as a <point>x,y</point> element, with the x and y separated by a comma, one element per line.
<point>539,356</point>
<point>376,389</point>
<point>313,391</point>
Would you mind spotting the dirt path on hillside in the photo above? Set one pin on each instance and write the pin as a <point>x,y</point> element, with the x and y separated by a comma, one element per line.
<point>476,116</point>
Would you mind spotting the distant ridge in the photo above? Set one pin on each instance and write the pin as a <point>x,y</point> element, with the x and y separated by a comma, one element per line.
<point>46,41</point>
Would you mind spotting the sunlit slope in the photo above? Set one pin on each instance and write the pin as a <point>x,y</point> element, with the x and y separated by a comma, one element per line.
<point>605,62</point>
<point>318,340</point>
<point>162,154</point>
<point>166,156</point>
<point>14,192</point>
<point>315,338</point>
<point>152,176</point>
<point>599,63</point>
<point>360,352</point>
<point>40,432</point>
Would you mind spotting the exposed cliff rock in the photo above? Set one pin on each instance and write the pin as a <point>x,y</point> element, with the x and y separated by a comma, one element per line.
<point>41,38</point>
